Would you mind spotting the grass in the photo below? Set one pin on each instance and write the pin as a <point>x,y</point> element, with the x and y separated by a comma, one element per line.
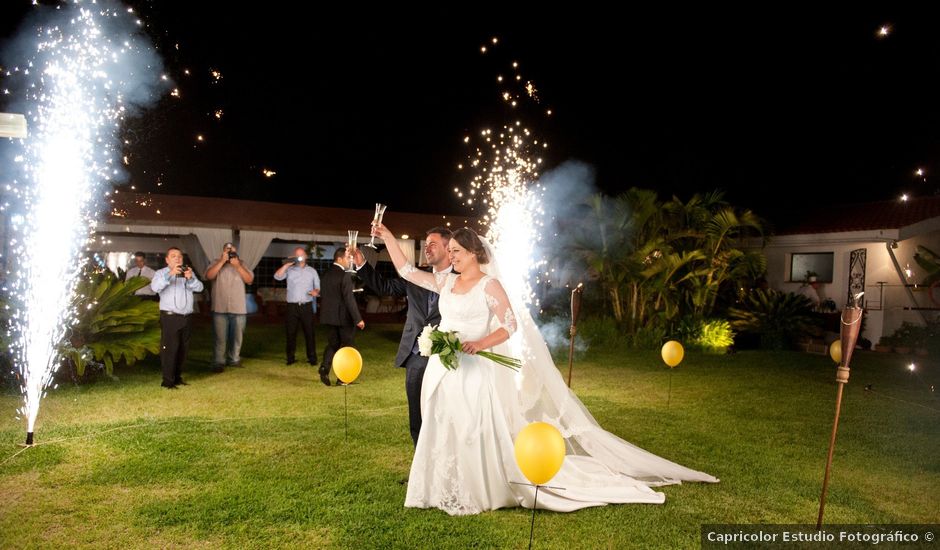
<point>256,457</point>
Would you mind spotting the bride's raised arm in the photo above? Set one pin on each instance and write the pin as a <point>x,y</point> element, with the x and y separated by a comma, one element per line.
<point>409,272</point>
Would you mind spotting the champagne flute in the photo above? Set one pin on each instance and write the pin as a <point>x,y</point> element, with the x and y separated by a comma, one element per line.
<point>376,220</point>
<point>350,246</point>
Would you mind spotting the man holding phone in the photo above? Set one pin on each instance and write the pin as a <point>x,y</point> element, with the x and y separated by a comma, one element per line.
<point>303,286</point>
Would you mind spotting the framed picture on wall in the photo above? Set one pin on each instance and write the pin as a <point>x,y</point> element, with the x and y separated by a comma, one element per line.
<point>805,264</point>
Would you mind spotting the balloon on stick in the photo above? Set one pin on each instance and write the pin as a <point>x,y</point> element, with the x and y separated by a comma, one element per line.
<point>347,364</point>
<point>540,452</point>
<point>672,354</point>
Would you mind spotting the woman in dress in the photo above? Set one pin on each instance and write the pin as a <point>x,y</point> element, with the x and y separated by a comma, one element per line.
<point>464,461</point>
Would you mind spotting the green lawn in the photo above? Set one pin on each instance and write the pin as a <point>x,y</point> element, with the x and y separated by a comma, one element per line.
<point>256,457</point>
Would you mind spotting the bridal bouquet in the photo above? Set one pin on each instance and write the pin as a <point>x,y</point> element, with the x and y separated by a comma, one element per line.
<point>446,345</point>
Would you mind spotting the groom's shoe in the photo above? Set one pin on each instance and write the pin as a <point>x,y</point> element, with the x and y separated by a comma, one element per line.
<point>325,376</point>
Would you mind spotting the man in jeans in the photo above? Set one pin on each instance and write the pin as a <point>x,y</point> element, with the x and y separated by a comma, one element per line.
<point>229,310</point>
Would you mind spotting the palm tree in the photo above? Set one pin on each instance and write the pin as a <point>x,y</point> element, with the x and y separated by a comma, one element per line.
<point>603,248</point>
<point>669,259</point>
<point>706,223</point>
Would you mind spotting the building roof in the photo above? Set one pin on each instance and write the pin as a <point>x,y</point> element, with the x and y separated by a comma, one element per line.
<point>893,214</point>
<point>177,210</point>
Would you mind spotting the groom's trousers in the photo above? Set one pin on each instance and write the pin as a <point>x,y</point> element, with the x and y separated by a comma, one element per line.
<point>414,374</point>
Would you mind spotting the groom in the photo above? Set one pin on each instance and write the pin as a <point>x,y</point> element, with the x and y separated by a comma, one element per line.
<point>422,311</point>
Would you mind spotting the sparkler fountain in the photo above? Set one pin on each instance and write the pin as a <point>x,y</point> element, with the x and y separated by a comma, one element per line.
<point>505,186</point>
<point>90,67</point>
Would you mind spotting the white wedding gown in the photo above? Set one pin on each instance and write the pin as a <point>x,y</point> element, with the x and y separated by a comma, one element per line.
<point>464,462</point>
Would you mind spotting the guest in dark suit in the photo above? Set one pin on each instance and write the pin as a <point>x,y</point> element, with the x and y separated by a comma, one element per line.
<point>338,311</point>
<point>422,311</point>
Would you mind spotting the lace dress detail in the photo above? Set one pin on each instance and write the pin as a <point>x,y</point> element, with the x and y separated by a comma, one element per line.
<point>424,279</point>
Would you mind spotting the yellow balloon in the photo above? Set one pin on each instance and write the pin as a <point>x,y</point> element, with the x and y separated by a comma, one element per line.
<point>835,351</point>
<point>673,353</point>
<point>347,364</point>
<point>540,450</point>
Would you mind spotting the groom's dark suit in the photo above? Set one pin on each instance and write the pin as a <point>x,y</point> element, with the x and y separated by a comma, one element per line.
<point>422,311</point>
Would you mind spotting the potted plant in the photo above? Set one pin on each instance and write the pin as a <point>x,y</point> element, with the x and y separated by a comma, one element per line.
<point>885,344</point>
<point>905,337</point>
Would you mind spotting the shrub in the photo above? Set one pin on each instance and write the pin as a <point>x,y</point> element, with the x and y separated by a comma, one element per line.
<point>779,319</point>
<point>711,335</point>
<point>112,324</point>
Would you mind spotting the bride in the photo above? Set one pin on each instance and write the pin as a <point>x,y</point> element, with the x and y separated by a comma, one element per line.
<point>464,460</point>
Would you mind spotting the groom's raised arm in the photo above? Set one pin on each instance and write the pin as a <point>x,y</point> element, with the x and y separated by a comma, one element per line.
<point>408,272</point>
<point>382,286</point>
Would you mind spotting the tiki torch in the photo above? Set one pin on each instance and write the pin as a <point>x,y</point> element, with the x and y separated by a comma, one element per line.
<point>851,323</point>
<point>575,311</point>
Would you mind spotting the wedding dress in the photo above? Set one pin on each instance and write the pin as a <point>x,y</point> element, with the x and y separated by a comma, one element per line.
<point>464,461</point>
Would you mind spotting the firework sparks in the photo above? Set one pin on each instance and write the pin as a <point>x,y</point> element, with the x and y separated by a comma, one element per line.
<point>504,187</point>
<point>86,62</point>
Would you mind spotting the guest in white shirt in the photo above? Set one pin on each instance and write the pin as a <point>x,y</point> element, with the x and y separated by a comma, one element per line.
<point>141,269</point>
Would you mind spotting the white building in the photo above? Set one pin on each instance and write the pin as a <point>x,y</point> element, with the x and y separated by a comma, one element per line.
<point>859,247</point>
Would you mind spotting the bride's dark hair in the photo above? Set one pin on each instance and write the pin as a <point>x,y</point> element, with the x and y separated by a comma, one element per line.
<point>469,239</point>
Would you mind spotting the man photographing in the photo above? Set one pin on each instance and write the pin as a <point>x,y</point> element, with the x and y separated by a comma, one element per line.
<point>229,309</point>
<point>175,284</point>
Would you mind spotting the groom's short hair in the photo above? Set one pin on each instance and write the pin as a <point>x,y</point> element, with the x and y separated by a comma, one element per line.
<point>440,230</point>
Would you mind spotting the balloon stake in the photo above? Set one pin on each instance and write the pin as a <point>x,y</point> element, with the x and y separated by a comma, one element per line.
<point>345,411</point>
<point>535,504</point>
<point>669,395</point>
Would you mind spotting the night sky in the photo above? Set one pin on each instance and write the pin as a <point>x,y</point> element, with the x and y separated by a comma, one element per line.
<point>780,110</point>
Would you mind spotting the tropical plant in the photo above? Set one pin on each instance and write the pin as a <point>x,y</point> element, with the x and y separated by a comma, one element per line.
<point>111,324</point>
<point>707,225</point>
<point>659,261</point>
<point>601,332</point>
<point>712,335</point>
<point>929,261</point>
<point>649,336</point>
<point>779,319</point>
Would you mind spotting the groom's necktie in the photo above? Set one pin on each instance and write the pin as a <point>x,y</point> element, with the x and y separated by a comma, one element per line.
<point>432,301</point>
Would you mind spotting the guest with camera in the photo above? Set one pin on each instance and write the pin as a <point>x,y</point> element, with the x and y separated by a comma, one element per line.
<point>303,286</point>
<point>229,309</point>
<point>175,284</point>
